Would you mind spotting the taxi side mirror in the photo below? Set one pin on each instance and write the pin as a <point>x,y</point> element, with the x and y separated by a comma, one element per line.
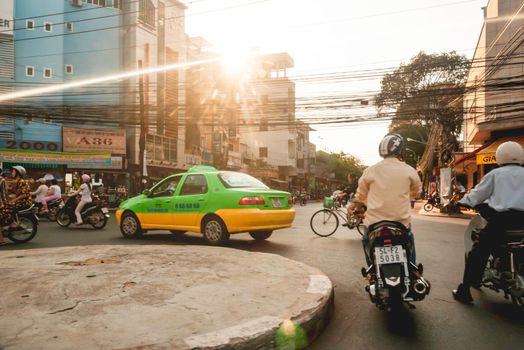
<point>145,192</point>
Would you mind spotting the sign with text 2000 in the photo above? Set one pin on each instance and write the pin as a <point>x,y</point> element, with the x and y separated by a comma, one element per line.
<point>94,140</point>
<point>31,145</point>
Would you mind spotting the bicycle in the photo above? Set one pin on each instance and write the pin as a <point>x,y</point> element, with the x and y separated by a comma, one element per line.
<point>325,222</point>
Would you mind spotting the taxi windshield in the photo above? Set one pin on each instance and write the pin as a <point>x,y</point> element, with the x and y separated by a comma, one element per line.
<point>239,180</point>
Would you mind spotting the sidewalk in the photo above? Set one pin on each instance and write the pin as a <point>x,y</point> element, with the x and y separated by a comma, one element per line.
<point>465,214</point>
<point>158,297</point>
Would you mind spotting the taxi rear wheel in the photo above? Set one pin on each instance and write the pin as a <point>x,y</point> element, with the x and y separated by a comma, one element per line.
<point>260,235</point>
<point>214,230</point>
<point>130,226</point>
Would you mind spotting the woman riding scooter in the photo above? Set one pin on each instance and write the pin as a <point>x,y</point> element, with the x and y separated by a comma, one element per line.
<point>85,192</point>
<point>21,201</point>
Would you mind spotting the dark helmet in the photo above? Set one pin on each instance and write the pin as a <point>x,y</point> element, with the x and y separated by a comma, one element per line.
<point>391,145</point>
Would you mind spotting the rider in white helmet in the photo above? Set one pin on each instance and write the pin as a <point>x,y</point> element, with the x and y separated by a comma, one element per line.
<point>499,198</point>
<point>385,189</point>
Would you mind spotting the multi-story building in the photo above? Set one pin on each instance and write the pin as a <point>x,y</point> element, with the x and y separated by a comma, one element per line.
<point>494,96</point>
<point>62,41</point>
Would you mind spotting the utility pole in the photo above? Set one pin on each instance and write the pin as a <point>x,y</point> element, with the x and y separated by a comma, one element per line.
<point>143,126</point>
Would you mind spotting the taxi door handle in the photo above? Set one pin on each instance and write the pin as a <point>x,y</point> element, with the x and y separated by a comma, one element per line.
<point>201,199</point>
<point>167,201</point>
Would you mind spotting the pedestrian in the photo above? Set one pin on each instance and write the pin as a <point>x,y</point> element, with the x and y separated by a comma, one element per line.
<point>41,191</point>
<point>385,189</point>
<point>499,198</point>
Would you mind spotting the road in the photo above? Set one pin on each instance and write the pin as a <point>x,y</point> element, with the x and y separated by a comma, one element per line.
<point>438,322</point>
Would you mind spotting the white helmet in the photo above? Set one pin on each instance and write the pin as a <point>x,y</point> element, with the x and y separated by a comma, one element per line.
<point>510,152</point>
<point>20,170</point>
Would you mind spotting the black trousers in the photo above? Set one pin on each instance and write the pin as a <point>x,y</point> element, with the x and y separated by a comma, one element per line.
<point>489,239</point>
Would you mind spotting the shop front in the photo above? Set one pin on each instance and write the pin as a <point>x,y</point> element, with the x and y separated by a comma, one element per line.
<point>111,181</point>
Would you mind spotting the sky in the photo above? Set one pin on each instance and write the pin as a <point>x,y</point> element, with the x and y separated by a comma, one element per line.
<point>332,36</point>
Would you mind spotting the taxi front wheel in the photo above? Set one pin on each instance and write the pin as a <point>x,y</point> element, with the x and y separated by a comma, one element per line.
<point>214,230</point>
<point>260,235</point>
<point>130,226</point>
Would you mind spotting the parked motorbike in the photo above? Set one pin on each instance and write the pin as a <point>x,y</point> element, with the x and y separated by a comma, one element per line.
<point>26,226</point>
<point>433,202</point>
<point>393,279</point>
<point>94,213</point>
<point>53,207</point>
<point>505,268</point>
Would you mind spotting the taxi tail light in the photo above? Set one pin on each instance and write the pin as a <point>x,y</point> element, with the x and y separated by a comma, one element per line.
<point>252,201</point>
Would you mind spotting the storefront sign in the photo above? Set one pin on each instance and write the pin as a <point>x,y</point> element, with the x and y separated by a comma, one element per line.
<point>31,145</point>
<point>117,163</point>
<point>6,17</point>
<point>58,158</point>
<point>487,158</point>
<point>89,140</point>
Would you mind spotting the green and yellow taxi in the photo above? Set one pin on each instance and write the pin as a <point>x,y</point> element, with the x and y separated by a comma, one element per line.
<point>208,201</point>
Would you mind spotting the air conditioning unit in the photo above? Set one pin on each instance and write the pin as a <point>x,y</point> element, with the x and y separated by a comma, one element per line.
<point>78,3</point>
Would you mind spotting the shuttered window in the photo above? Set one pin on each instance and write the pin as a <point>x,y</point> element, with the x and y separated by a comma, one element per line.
<point>7,57</point>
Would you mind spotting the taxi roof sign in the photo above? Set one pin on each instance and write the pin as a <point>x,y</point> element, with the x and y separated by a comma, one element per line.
<point>201,169</point>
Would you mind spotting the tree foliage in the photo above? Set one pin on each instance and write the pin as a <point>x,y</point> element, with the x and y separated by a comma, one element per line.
<point>340,164</point>
<point>420,92</point>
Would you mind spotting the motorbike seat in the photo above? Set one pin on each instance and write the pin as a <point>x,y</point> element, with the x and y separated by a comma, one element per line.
<point>383,223</point>
<point>513,237</point>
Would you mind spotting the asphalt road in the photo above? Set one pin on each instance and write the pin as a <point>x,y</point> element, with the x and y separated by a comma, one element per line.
<point>438,322</point>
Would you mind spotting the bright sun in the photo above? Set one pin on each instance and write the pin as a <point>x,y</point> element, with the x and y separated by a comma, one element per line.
<point>236,59</point>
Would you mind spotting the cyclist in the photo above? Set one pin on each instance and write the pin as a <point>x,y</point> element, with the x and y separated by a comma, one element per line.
<point>385,190</point>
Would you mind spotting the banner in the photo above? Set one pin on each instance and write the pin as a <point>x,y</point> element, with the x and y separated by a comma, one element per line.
<point>6,17</point>
<point>486,158</point>
<point>117,163</point>
<point>54,158</point>
<point>94,140</point>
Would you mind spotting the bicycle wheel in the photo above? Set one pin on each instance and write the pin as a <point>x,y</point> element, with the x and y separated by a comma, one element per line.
<point>324,222</point>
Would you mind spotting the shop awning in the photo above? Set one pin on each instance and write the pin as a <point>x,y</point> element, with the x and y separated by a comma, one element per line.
<point>54,158</point>
<point>487,154</point>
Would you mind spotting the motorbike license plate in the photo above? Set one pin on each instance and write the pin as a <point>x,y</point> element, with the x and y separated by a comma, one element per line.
<point>276,202</point>
<point>389,255</point>
<point>105,211</point>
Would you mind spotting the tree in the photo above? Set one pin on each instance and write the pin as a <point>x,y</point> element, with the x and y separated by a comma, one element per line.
<point>340,164</point>
<point>421,93</point>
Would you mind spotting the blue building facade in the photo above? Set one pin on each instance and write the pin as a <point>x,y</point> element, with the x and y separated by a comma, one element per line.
<point>55,42</point>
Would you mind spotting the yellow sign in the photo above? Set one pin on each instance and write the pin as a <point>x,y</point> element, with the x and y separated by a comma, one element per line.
<point>486,158</point>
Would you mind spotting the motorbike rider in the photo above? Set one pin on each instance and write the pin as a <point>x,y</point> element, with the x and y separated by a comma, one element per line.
<point>22,198</point>
<point>55,192</point>
<point>385,190</point>
<point>350,189</point>
<point>499,198</point>
<point>41,191</point>
<point>85,197</point>
<point>3,206</point>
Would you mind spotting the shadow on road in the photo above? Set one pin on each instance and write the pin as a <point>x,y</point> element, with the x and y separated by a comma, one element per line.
<point>401,322</point>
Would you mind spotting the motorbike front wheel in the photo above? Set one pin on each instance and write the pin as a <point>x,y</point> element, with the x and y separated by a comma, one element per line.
<point>97,219</point>
<point>62,218</point>
<point>428,207</point>
<point>26,230</point>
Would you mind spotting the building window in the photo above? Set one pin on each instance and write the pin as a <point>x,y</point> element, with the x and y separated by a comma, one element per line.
<point>146,12</point>
<point>263,124</point>
<point>69,26</point>
<point>30,24</point>
<point>69,69</point>
<point>29,71</point>
<point>48,73</point>
<point>48,27</point>
<point>262,152</point>
<point>7,135</point>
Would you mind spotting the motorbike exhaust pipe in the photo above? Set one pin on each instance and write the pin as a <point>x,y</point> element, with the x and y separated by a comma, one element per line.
<point>420,287</point>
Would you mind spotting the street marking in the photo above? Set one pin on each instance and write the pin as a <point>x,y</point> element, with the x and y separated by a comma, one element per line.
<point>244,330</point>
<point>319,284</point>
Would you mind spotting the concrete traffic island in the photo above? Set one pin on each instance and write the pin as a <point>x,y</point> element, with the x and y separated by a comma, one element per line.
<point>158,297</point>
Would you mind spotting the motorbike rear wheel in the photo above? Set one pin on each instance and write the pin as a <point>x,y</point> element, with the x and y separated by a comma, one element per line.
<point>52,214</point>
<point>97,219</point>
<point>428,207</point>
<point>27,229</point>
<point>62,218</point>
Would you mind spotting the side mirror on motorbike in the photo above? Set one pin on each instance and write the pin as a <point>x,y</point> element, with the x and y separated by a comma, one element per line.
<point>145,192</point>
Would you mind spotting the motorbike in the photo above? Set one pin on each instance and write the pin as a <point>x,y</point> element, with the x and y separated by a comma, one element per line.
<point>26,226</point>
<point>433,202</point>
<point>393,279</point>
<point>303,199</point>
<point>505,268</point>
<point>94,213</point>
<point>52,206</point>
